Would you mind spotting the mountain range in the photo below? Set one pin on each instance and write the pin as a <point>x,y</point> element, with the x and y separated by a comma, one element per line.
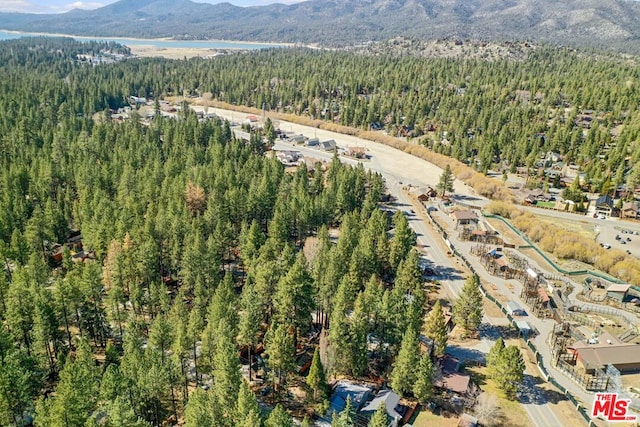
<point>598,23</point>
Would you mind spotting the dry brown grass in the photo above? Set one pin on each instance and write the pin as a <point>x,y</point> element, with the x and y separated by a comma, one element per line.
<point>483,185</point>
<point>567,244</point>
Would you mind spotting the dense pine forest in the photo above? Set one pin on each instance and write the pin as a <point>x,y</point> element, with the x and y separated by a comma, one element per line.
<point>144,263</point>
<point>191,256</point>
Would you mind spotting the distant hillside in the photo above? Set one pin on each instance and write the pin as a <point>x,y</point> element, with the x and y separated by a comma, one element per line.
<point>601,23</point>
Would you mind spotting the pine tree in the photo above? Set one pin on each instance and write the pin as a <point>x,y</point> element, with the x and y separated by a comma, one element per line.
<point>198,410</point>
<point>436,329</point>
<point>280,349</point>
<point>278,418</point>
<point>467,310</point>
<point>404,372</point>
<point>404,238</point>
<point>226,375</point>
<point>446,181</point>
<point>379,418</point>
<point>247,409</point>
<point>316,379</point>
<point>494,355</point>
<point>77,391</point>
<point>347,417</point>
<point>250,321</point>
<point>508,370</point>
<point>423,386</point>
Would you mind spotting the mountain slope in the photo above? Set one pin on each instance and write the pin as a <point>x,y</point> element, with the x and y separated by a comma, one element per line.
<point>340,22</point>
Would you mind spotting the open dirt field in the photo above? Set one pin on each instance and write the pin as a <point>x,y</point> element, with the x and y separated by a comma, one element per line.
<point>172,52</point>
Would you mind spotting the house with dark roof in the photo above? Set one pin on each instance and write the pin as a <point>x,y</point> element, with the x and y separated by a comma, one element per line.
<point>604,205</point>
<point>344,390</point>
<point>328,145</point>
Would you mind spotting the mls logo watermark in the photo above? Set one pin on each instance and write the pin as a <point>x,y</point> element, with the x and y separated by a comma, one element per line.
<point>611,408</point>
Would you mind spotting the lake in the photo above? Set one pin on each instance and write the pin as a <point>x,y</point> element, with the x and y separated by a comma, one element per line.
<point>200,44</point>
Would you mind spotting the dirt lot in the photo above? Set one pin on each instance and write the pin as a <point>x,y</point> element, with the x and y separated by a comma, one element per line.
<point>171,52</point>
<point>427,419</point>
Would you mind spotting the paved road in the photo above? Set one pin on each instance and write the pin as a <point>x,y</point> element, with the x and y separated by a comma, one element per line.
<point>400,169</point>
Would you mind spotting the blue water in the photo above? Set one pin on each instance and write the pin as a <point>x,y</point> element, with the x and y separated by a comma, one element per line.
<point>202,44</point>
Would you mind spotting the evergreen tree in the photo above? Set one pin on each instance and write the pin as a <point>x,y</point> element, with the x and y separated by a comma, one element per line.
<point>250,321</point>
<point>446,181</point>
<point>404,238</point>
<point>423,386</point>
<point>247,409</point>
<point>226,376</point>
<point>77,391</point>
<point>280,349</point>
<point>316,379</point>
<point>494,355</point>
<point>467,310</point>
<point>379,418</point>
<point>436,329</point>
<point>346,418</point>
<point>198,411</point>
<point>507,369</point>
<point>404,374</point>
<point>278,418</point>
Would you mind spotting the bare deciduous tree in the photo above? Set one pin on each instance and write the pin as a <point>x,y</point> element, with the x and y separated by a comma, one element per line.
<point>487,410</point>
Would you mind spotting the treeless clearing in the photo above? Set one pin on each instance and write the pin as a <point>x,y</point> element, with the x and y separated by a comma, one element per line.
<point>428,419</point>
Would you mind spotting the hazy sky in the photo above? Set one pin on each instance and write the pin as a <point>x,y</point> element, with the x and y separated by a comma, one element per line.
<point>58,6</point>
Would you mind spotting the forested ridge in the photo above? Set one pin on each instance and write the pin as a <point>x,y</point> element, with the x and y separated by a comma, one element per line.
<point>198,250</point>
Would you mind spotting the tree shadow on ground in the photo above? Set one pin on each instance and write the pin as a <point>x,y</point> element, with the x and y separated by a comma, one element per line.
<point>531,392</point>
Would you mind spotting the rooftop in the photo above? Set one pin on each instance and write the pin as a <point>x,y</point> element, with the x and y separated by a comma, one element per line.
<point>612,354</point>
<point>464,215</point>
<point>618,288</point>
<point>387,398</point>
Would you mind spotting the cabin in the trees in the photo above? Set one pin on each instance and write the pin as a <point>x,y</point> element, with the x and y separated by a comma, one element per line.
<point>344,389</point>
<point>391,402</point>
<point>297,139</point>
<point>313,142</point>
<point>450,378</point>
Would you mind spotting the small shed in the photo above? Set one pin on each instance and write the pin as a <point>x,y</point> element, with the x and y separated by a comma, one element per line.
<point>525,328</point>
<point>297,139</point>
<point>328,145</point>
<point>514,309</point>
<point>618,292</point>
